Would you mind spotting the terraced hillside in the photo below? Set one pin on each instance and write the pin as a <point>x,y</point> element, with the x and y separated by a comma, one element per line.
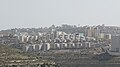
<point>13,56</point>
<point>81,58</point>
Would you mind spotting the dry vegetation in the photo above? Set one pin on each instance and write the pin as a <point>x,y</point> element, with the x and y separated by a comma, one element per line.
<point>8,55</point>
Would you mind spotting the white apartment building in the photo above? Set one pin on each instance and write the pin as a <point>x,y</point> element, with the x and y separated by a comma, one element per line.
<point>115,43</point>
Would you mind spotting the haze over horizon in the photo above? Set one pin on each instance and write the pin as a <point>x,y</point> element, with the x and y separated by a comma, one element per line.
<point>42,13</point>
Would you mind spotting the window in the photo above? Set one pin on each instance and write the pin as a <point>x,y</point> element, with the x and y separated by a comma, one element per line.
<point>117,49</point>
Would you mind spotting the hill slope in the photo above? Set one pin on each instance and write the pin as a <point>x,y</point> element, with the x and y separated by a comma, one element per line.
<point>10,55</point>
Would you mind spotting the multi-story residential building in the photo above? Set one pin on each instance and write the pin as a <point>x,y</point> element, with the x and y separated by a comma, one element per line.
<point>115,43</point>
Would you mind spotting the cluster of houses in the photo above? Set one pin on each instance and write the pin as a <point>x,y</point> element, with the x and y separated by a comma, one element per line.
<point>92,37</point>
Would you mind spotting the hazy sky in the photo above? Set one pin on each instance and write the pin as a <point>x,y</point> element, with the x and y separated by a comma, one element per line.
<point>37,13</point>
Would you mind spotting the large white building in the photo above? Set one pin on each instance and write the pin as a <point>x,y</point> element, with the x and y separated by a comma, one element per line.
<point>115,43</point>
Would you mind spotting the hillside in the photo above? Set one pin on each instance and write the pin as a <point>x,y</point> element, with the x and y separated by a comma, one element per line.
<point>81,58</point>
<point>14,56</point>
